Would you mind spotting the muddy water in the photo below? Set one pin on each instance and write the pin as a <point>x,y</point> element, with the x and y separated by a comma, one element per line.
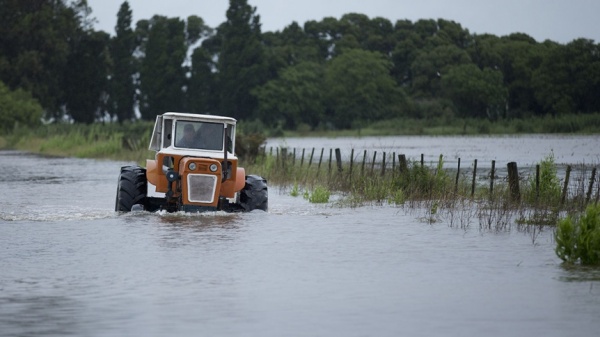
<point>70,266</point>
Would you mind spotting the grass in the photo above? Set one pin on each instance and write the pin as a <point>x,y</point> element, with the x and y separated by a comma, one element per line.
<point>127,142</point>
<point>573,123</point>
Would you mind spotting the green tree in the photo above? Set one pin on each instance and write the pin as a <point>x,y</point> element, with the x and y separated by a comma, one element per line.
<point>296,97</point>
<point>242,65</point>
<point>360,88</point>
<point>568,80</point>
<point>34,47</point>
<point>202,93</point>
<point>17,108</point>
<point>476,92</point>
<point>430,65</point>
<point>85,82</point>
<point>521,57</point>
<point>86,77</point>
<point>370,34</point>
<point>162,76</point>
<point>406,49</point>
<point>122,46</point>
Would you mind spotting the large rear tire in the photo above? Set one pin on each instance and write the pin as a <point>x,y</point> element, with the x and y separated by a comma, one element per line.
<point>254,195</point>
<point>131,189</point>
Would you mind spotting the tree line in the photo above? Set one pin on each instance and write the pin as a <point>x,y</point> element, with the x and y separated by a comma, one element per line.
<point>327,74</point>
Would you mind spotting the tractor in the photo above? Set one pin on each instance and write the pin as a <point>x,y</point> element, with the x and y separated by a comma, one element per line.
<point>195,169</point>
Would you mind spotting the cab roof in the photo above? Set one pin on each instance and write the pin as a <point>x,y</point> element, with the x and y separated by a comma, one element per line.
<point>199,117</point>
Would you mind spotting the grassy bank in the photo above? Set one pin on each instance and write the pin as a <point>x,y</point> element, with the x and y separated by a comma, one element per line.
<point>127,142</point>
<point>585,124</point>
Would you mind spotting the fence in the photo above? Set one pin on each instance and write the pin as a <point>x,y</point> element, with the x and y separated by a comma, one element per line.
<point>576,180</point>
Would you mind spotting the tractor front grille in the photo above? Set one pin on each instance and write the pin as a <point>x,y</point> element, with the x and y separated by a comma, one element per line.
<point>201,187</point>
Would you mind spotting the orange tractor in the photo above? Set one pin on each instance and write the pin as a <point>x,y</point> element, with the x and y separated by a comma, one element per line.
<point>195,169</point>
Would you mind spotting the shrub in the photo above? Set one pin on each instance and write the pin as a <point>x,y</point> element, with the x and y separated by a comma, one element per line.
<point>549,187</point>
<point>17,108</point>
<point>578,239</point>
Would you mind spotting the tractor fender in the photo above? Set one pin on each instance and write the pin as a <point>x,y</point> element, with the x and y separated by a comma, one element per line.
<point>240,179</point>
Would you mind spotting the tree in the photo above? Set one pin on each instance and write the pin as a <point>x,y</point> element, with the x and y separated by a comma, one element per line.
<point>122,46</point>
<point>202,93</point>
<point>17,108</point>
<point>34,47</point>
<point>476,92</point>
<point>296,97</point>
<point>360,88</point>
<point>568,80</point>
<point>86,77</point>
<point>241,65</point>
<point>87,72</point>
<point>162,76</point>
<point>521,57</point>
<point>430,65</point>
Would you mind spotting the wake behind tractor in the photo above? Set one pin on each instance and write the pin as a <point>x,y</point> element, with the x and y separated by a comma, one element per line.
<point>195,169</point>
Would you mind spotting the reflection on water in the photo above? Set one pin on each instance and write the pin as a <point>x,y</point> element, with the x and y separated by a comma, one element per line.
<point>581,274</point>
<point>39,316</point>
<point>69,265</point>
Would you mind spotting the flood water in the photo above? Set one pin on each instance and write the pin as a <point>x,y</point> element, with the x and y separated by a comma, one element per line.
<point>525,150</point>
<point>69,265</point>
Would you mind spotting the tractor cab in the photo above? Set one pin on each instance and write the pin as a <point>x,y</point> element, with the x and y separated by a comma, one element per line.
<point>195,167</point>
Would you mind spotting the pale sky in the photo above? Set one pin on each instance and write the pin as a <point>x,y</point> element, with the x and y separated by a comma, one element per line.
<point>557,20</point>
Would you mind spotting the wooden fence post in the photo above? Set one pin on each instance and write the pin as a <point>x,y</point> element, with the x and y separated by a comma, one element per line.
<point>338,158</point>
<point>474,176</point>
<point>312,153</point>
<point>383,164</point>
<point>537,182</point>
<point>330,155</point>
<point>351,162</point>
<point>589,192</point>
<point>402,163</point>
<point>302,158</point>
<point>566,185</point>
<point>457,176</point>
<point>362,169</point>
<point>373,162</point>
<point>492,176</point>
<point>513,181</point>
<point>283,157</point>
<point>320,160</point>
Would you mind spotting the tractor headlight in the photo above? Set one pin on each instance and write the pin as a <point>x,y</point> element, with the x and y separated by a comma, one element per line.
<point>192,166</point>
<point>213,168</point>
<point>172,176</point>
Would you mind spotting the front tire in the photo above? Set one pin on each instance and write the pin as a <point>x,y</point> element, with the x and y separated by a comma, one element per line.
<point>255,194</point>
<point>131,189</point>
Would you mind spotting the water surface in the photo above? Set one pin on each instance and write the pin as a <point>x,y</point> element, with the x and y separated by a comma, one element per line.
<point>69,265</point>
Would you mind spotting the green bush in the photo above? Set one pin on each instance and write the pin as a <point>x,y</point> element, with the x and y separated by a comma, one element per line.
<point>549,187</point>
<point>578,239</point>
<point>17,108</point>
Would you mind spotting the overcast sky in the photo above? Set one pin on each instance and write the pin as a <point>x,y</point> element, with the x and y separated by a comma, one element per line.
<point>557,20</point>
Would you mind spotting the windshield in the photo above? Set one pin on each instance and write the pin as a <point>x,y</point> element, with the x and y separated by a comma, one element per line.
<point>199,135</point>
